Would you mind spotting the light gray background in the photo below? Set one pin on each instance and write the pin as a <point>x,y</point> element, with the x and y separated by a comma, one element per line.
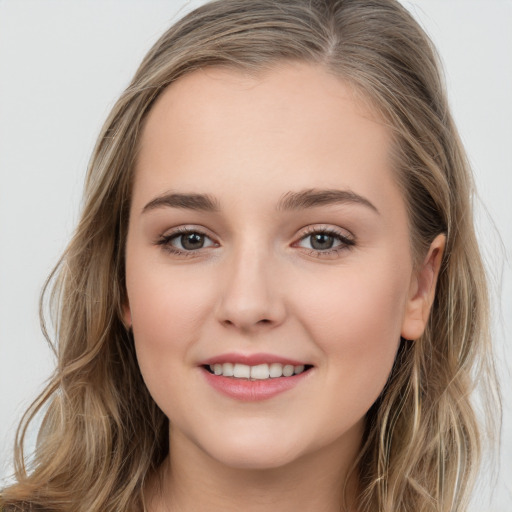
<point>63,64</point>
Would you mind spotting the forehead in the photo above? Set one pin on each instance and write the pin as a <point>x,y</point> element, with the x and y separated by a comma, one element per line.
<point>292,126</point>
<point>266,99</point>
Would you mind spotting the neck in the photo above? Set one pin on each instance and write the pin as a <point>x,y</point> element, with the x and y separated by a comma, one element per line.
<point>191,480</point>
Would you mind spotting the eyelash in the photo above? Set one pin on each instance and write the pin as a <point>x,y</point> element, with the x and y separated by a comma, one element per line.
<point>165,241</point>
<point>346,243</point>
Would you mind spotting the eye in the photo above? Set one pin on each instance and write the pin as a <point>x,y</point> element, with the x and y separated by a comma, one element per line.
<point>185,240</point>
<point>320,241</point>
<point>190,241</point>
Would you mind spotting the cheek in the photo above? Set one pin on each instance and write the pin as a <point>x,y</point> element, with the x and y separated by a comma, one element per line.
<point>368,304</point>
<point>355,319</point>
<point>167,313</point>
<point>164,302</point>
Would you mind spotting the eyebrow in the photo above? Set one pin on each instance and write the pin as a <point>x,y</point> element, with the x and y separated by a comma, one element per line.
<point>304,199</point>
<point>313,198</point>
<point>201,202</point>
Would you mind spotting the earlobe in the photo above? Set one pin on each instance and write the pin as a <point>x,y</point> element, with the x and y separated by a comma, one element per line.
<point>127,316</point>
<point>422,291</point>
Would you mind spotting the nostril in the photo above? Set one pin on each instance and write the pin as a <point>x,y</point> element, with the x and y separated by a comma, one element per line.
<point>230,323</point>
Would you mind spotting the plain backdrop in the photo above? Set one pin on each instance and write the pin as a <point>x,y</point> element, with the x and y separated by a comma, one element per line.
<point>62,66</point>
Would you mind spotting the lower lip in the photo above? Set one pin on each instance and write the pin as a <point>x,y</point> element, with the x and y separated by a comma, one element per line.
<point>252,390</point>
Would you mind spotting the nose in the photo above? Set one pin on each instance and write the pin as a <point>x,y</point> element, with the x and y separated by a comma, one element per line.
<point>251,297</point>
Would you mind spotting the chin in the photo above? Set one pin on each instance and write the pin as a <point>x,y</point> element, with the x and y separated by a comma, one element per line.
<point>255,459</point>
<point>256,451</point>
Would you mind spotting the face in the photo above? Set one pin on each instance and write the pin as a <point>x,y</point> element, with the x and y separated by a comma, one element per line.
<point>267,236</point>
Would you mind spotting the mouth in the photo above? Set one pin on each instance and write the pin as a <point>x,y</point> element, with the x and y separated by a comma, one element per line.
<point>265,371</point>
<point>254,377</point>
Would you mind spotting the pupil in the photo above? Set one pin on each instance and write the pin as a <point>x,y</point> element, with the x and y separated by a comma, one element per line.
<point>322,241</point>
<point>192,241</point>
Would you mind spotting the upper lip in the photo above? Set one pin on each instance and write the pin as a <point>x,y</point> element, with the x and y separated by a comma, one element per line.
<point>251,359</point>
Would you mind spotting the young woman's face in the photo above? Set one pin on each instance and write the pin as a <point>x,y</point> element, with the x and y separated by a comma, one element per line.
<point>267,235</point>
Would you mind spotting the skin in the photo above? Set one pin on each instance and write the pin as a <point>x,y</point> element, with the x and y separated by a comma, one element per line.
<point>259,285</point>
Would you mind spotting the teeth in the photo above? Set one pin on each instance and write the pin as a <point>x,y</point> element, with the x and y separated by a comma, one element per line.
<point>276,370</point>
<point>242,371</point>
<point>227,369</point>
<point>258,372</point>
<point>288,370</point>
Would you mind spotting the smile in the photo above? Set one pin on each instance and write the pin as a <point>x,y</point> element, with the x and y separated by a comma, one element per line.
<point>258,372</point>
<point>256,377</point>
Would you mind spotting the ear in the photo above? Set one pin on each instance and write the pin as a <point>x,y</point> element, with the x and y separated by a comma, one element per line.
<point>127,315</point>
<point>422,291</point>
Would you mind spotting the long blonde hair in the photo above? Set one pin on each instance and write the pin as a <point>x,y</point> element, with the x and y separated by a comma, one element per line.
<point>102,433</point>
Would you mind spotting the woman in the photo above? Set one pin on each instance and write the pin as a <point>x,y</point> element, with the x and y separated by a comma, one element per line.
<point>274,296</point>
